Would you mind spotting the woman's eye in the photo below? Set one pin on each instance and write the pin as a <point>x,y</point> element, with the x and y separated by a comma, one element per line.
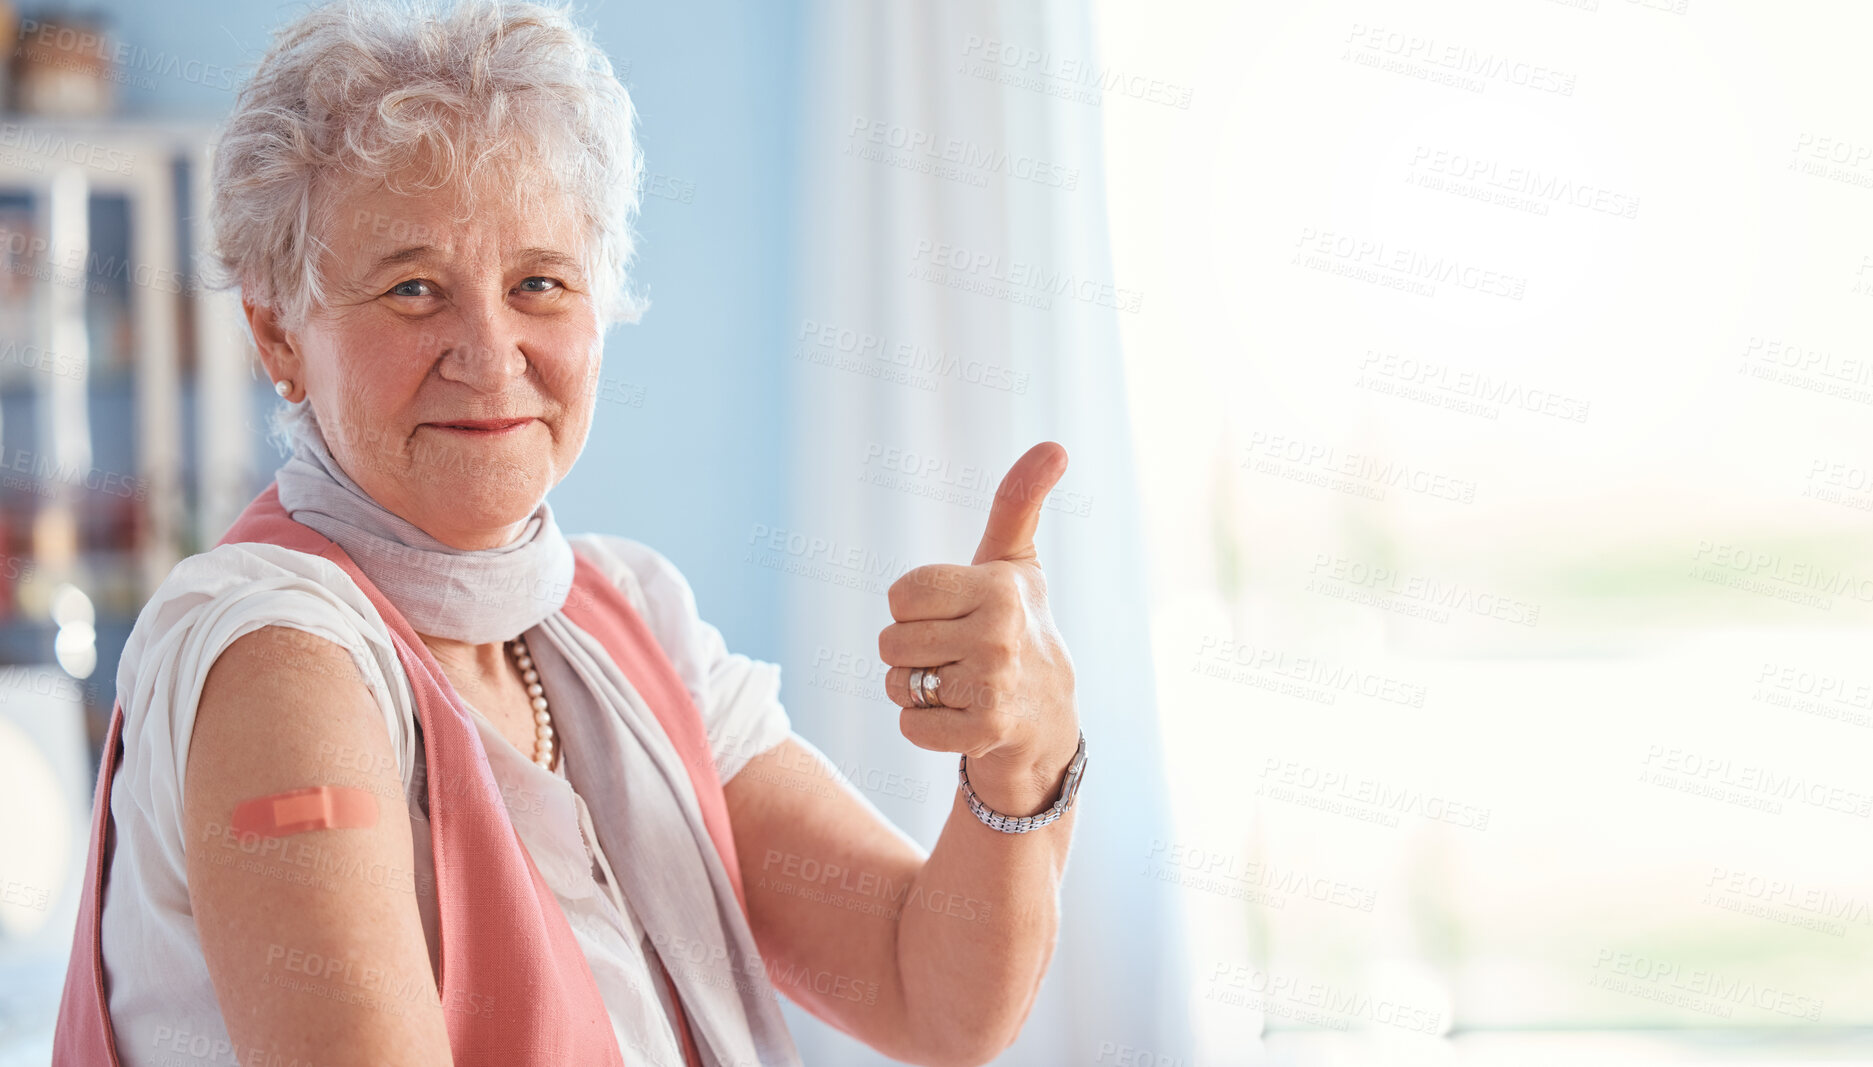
<point>413,287</point>
<point>547,285</point>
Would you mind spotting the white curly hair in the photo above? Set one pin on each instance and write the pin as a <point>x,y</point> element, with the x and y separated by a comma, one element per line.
<point>359,91</point>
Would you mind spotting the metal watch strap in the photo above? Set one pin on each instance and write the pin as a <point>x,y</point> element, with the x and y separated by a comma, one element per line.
<point>1009,824</point>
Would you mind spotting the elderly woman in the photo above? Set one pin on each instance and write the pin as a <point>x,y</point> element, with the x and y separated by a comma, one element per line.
<point>399,773</point>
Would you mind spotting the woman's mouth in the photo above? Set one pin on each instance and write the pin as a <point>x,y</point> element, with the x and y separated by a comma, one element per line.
<point>481,427</point>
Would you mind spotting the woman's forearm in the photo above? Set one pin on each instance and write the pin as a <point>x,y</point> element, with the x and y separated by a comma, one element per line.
<point>978,924</point>
<point>978,666</point>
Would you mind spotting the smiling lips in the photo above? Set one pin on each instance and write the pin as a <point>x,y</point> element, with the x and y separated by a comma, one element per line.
<point>481,427</point>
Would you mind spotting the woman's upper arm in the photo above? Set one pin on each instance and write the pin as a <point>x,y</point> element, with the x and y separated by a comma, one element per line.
<point>314,953</point>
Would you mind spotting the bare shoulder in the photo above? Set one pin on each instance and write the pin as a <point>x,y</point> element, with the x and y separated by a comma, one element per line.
<point>277,689</point>
<point>309,956</point>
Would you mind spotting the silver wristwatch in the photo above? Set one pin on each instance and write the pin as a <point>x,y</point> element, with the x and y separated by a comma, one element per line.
<point>1009,824</point>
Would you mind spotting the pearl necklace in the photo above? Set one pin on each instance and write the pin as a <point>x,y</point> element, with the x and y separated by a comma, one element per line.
<point>542,718</point>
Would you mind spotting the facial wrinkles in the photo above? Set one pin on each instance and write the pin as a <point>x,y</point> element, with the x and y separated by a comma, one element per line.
<point>392,355</point>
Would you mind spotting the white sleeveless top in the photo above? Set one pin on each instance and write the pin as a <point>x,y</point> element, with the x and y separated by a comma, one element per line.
<point>162,1002</point>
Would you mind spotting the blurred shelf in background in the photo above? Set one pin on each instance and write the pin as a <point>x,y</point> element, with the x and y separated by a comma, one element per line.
<point>126,399</point>
<point>127,442</point>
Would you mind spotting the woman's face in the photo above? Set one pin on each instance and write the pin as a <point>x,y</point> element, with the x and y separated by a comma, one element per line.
<point>430,324</point>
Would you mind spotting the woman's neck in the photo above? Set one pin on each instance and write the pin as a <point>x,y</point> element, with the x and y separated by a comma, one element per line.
<point>458,659</point>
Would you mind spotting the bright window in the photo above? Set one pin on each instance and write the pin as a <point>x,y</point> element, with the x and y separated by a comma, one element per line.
<point>1504,420</point>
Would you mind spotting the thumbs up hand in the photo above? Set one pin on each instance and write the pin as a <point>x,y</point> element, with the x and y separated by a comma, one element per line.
<point>1004,678</point>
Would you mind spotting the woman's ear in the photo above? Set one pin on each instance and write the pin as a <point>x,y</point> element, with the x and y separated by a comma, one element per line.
<point>277,352</point>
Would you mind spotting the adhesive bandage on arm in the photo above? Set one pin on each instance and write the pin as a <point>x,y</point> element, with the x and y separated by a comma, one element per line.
<point>317,807</point>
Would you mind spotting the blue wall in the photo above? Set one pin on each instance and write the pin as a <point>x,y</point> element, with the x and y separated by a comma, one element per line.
<point>685,453</point>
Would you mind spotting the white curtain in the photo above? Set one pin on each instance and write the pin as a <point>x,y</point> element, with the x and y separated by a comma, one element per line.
<point>955,305</point>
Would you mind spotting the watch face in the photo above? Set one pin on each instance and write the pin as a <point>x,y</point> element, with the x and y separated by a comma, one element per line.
<point>1075,777</point>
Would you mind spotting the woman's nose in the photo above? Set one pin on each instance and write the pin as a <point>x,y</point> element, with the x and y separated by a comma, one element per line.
<point>481,351</point>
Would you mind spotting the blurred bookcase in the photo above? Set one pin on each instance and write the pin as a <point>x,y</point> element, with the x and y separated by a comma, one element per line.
<point>127,429</point>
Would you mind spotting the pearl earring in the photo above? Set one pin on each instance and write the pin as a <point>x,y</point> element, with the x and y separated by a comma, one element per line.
<point>283,386</point>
